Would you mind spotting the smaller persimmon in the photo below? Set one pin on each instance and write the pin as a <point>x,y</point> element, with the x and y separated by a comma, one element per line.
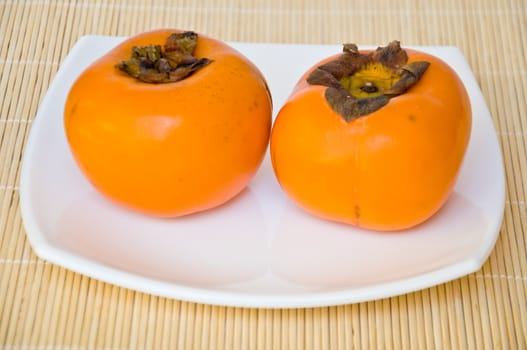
<point>373,139</point>
<point>169,123</point>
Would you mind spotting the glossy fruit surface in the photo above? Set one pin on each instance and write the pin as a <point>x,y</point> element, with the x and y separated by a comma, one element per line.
<point>170,149</point>
<point>390,169</point>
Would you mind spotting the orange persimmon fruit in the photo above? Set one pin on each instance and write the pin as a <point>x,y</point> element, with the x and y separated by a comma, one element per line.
<point>374,139</point>
<point>169,123</point>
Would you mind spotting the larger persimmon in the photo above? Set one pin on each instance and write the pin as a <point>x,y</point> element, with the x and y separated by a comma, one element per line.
<point>169,123</point>
<point>373,139</point>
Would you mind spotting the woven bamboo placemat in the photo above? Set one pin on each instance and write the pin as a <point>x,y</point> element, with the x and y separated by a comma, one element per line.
<point>43,306</point>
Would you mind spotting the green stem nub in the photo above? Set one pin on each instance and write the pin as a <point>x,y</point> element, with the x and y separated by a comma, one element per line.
<point>154,64</point>
<point>369,87</point>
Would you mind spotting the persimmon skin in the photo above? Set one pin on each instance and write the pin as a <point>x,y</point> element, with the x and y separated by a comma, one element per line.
<point>170,149</point>
<point>386,171</point>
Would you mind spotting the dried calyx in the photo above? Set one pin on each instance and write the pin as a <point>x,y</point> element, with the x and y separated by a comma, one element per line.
<point>359,84</point>
<point>174,62</point>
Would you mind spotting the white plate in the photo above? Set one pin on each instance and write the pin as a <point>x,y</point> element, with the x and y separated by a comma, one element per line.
<point>259,250</point>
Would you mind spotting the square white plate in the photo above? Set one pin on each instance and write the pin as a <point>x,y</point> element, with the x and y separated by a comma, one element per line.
<point>259,250</point>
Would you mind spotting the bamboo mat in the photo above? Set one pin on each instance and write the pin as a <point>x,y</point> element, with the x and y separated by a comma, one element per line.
<point>43,306</point>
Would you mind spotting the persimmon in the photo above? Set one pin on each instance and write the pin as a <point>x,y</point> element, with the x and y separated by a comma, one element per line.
<point>169,123</point>
<point>373,139</point>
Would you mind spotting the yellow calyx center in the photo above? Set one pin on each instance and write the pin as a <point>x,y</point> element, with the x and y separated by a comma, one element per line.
<point>370,81</point>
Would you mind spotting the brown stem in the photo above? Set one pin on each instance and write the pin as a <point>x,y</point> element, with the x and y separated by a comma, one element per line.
<point>359,84</point>
<point>153,64</point>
